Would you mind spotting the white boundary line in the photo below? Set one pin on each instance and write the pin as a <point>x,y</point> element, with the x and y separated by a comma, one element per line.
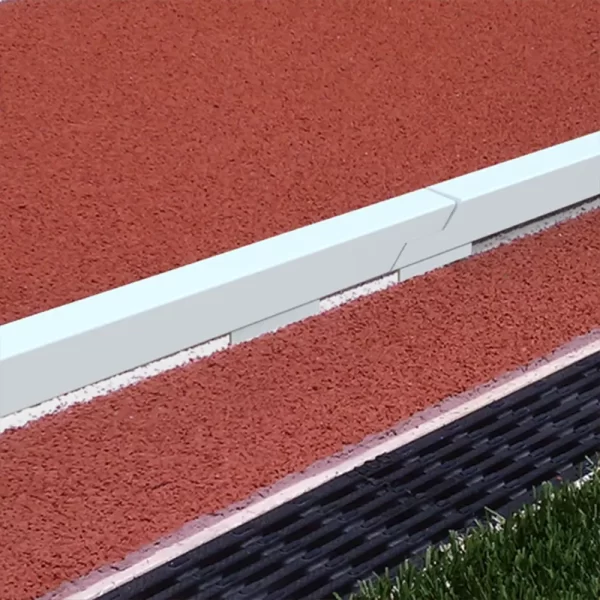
<point>160,557</point>
<point>263,286</point>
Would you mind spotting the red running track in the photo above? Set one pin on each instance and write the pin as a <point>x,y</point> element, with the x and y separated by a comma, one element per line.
<point>136,137</point>
<point>85,487</point>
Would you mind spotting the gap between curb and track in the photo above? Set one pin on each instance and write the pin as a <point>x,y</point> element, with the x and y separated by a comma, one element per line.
<point>258,288</point>
<point>93,587</point>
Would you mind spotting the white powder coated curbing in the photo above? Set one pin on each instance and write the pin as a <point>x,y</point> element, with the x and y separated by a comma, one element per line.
<point>256,288</point>
<point>66,348</point>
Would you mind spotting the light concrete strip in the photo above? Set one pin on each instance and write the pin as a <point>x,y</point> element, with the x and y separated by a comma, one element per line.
<point>266,504</point>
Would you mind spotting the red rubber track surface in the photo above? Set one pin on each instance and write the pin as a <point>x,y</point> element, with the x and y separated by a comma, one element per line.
<point>136,137</point>
<point>83,488</point>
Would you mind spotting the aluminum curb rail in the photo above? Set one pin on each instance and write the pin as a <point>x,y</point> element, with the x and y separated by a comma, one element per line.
<point>266,285</point>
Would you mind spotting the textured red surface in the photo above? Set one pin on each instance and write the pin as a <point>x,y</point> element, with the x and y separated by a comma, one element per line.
<point>140,136</point>
<point>85,487</point>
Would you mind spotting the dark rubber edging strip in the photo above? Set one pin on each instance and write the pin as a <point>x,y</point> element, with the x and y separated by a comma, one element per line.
<point>394,507</point>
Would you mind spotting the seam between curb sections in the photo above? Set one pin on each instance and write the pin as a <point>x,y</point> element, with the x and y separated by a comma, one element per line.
<point>397,259</point>
<point>263,285</point>
<point>448,197</point>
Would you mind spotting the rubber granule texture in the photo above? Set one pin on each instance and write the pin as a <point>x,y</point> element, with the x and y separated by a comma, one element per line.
<point>85,487</point>
<point>392,508</point>
<point>136,137</point>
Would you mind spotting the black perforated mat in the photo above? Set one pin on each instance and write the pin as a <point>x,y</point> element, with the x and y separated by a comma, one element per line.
<point>392,508</point>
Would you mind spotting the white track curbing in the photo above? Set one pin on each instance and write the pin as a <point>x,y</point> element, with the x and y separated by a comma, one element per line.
<point>260,287</point>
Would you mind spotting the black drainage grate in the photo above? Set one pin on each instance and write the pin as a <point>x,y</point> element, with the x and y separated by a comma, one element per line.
<point>392,508</point>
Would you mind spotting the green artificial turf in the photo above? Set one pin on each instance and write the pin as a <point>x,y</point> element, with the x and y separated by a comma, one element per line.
<point>549,550</point>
